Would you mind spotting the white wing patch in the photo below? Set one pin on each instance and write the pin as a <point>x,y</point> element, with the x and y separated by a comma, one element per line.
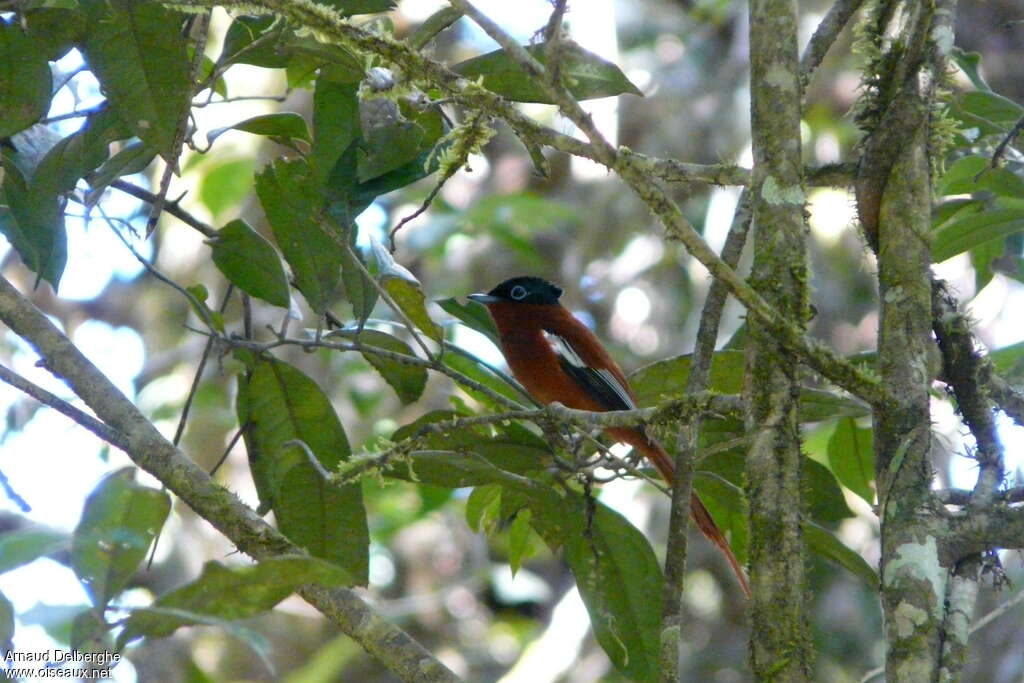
<point>599,382</point>
<point>563,349</point>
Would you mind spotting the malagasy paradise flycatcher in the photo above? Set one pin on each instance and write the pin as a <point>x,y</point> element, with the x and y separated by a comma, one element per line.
<point>556,358</point>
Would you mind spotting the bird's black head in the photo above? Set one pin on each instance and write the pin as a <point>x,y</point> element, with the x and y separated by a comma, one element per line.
<point>521,290</point>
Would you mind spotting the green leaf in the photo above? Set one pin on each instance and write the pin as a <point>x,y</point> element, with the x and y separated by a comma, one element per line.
<point>824,543</point>
<point>473,315</point>
<point>975,174</point>
<point>973,230</point>
<point>238,45</point>
<point>408,381</point>
<point>335,124</point>
<point>6,625</point>
<point>483,508</point>
<point>227,185</point>
<point>359,290</point>
<point>25,80</point>
<point>851,458</point>
<point>728,507</point>
<point>1009,362</point>
<point>55,30</point>
<point>293,208</point>
<point>817,405</point>
<point>666,378</point>
<point>825,501</point>
<point>405,290</point>
<point>248,261</point>
<point>982,257</point>
<point>132,158</point>
<point>279,404</point>
<point>616,571</point>
<point>230,593</point>
<point>394,136</point>
<point>970,64</point>
<point>473,368</point>
<point>518,539</point>
<point>585,74</point>
<point>350,7</point>
<point>989,113</point>
<point>90,633</point>
<point>139,54</point>
<point>283,128</point>
<point>79,153</point>
<point>433,26</point>
<point>18,548</point>
<point>34,224</point>
<point>121,518</point>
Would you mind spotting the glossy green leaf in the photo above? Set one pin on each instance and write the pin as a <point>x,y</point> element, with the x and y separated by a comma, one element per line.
<point>335,124</point>
<point>293,208</point>
<point>120,520</point>
<point>851,458</point>
<point>975,229</point>
<point>975,174</point>
<point>408,381</point>
<point>248,261</point>
<point>25,80</point>
<point>405,290</point>
<point>139,54</point>
<point>279,404</point>
<point>230,593</point>
<point>473,315</point>
<point>34,224</point>
<point>282,127</point>
<point>584,73</point>
<point>824,543</point>
<point>227,185</point>
<point>18,548</point>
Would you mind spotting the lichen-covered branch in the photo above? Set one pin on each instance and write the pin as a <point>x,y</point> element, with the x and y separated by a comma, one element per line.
<point>780,644</point>
<point>687,438</point>
<point>152,452</point>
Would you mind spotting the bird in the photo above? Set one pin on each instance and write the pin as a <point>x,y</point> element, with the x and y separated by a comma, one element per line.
<point>558,359</point>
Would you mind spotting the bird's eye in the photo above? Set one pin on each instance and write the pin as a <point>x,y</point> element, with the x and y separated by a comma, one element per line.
<point>518,292</point>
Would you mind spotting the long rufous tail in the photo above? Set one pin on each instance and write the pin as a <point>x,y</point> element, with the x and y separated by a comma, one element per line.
<point>654,452</point>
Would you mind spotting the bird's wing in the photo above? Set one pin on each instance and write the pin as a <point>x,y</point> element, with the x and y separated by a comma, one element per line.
<point>598,382</point>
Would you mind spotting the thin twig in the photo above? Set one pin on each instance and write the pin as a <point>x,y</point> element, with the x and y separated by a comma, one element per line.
<point>86,420</point>
<point>227,451</point>
<point>172,208</point>
<point>201,25</point>
<point>1000,150</point>
<point>825,35</point>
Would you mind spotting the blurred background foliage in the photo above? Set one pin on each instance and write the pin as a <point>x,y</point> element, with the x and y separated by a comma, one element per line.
<point>450,587</point>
